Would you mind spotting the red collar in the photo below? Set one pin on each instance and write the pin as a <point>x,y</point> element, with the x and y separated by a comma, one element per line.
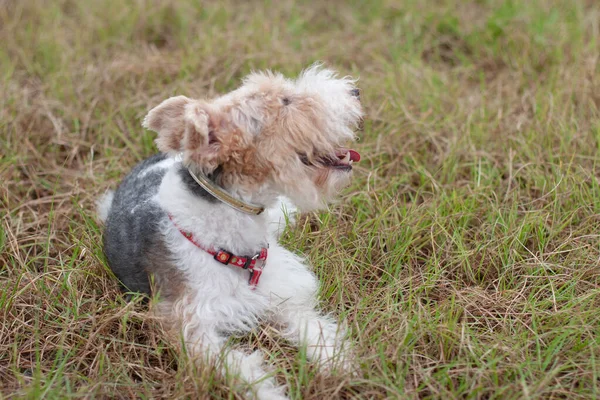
<point>254,264</point>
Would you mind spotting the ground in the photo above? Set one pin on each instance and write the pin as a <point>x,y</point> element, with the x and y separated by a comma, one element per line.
<point>465,255</point>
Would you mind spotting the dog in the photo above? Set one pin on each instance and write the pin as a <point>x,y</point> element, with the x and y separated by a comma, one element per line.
<point>197,225</point>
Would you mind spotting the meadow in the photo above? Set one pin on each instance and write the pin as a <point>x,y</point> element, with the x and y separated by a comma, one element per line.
<point>465,255</point>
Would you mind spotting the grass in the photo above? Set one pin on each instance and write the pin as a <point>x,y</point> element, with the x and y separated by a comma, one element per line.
<point>465,255</point>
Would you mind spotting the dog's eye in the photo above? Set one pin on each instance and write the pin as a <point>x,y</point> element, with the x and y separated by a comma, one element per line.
<point>286,101</point>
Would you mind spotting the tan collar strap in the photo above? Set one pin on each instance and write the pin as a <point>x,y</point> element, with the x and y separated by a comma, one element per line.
<point>223,196</point>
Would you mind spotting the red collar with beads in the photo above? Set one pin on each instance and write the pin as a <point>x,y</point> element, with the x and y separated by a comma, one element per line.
<point>254,264</point>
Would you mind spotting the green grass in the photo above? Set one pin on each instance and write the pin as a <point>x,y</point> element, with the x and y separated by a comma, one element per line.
<point>465,255</point>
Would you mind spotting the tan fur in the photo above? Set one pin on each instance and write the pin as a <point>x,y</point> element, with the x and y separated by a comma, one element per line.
<point>321,177</point>
<point>257,135</point>
<point>168,117</point>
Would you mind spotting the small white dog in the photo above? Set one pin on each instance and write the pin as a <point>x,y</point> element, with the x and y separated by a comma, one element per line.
<point>192,217</point>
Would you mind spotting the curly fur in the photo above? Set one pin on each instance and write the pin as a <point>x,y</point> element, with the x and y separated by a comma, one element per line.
<point>252,142</point>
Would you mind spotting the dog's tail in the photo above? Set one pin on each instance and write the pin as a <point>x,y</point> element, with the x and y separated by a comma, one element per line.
<point>104,204</point>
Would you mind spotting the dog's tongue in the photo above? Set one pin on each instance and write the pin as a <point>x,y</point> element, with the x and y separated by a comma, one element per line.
<point>354,156</point>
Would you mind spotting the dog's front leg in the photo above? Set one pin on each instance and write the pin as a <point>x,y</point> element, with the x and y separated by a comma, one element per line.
<point>293,292</point>
<point>205,343</point>
<point>324,340</point>
<point>209,346</point>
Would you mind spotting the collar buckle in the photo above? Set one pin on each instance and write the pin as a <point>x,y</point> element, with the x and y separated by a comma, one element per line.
<point>258,262</point>
<point>250,261</point>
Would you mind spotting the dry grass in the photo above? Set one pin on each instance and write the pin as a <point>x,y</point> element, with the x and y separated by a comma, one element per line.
<point>465,256</point>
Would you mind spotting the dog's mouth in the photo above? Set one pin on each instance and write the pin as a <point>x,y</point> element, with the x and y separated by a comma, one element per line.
<point>342,159</point>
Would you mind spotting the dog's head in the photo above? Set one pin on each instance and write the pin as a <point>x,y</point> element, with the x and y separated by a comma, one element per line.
<point>271,136</point>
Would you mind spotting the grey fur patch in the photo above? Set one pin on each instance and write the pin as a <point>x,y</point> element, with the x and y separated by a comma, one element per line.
<point>132,241</point>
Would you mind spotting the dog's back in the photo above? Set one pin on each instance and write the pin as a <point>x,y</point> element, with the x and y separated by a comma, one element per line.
<point>131,238</point>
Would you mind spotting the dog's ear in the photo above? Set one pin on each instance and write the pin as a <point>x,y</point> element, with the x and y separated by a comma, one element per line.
<point>183,126</point>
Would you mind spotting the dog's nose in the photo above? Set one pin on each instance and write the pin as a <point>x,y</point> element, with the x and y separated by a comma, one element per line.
<point>355,93</point>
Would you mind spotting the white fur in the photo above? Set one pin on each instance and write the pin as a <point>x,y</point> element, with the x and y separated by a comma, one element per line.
<point>220,298</point>
<point>343,111</point>
<point>280,215</point>
<point>104,204</point>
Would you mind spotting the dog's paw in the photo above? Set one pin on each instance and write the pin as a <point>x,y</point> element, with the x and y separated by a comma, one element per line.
<point>270,393</point>
<point>263,384</point>
<point>339,360</point>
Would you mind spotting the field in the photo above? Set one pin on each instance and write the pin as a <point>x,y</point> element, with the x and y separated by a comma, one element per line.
<point>465,255</point>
